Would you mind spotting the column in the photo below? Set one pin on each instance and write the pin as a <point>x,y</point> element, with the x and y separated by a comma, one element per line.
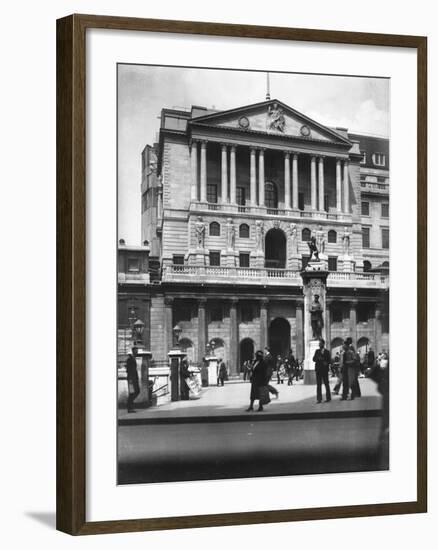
<point>261,177</point>
<point>313,182</point>
<point>252,176</point>
<point>202,328</point>
<point>346,189</point>
<point>168,320</point>
<point>299,352</point>
<point>295,181</point>
<point>338,186</point>
<point>234,338</point>
<point>287,180</point>
<point>233,174</point>
<point>327,323</point>
<point>353,322</point>
<point>321,183</point>
<point>194,164</point>
<point>263,323</point>
<point>224,175</point>
<point>378,328</point>
<point>203,197</point>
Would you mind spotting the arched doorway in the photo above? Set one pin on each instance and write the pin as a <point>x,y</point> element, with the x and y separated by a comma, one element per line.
<point>246,351</point>
<point>362,347</point>
<point>275,249</point>
<point>335,346</point>
<point>279,337</point>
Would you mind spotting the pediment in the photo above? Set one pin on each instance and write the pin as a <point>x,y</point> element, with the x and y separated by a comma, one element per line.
<point>271,117</point>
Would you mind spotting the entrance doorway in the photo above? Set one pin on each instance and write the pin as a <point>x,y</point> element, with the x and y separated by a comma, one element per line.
<point>275,249</point>
<point>246,351</point>
<point>279,337</point>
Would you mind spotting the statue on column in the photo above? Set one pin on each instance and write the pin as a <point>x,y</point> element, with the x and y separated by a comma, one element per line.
<point>313,249</point>
<point>316,317</point>
<point>259,235</point>
<point>293,238</point>
<point>320,240</point>
<point>346,242</point>
<point>200,232</point>
<point>231,234</point>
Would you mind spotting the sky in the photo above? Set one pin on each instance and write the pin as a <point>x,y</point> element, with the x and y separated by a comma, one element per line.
<point>360,104</point>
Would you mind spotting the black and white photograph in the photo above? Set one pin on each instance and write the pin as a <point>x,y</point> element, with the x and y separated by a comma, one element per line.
<point>253,255</point>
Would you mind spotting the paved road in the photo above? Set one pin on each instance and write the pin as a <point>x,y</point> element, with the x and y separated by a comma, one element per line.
<point>177,452</point>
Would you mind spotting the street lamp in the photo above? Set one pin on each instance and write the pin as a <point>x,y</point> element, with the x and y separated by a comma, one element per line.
<point>177,333</point>
<point>137,331</point>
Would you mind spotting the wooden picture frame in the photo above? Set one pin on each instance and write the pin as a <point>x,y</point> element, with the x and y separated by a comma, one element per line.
<point>71,273</point>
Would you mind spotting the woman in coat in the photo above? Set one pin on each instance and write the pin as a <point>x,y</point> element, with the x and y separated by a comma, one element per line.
<point>259,379</point>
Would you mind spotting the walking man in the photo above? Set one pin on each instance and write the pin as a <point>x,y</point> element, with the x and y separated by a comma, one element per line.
<point>259,380</point>
<point>322,365</point>
<point>132,378</point>
<point>269,361</point>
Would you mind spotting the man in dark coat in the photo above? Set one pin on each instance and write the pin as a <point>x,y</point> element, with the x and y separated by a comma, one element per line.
<point>132,378</point>
<point>258,380</point>
<point>322,364</point>
<point>184,374</point>
<point>270,366</point>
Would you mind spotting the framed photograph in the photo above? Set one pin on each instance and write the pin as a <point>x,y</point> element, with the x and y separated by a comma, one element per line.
<point>241,242</point>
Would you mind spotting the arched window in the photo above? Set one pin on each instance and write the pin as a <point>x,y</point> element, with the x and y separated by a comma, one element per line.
<point>271,195</point>
<point>305,234</point>
<point>385,264</point>
<point>332,236</point>
<point>244,231</point>
<point>366,265</point>
<point>215,229</point>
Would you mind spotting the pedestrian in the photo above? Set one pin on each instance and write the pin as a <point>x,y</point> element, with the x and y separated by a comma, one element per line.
<point>379,372</point>
<point>269,360</point>
<point>184,373</point>
<point>350,368</point>
<point>322,365</point>
<point>132,378</point>
<point>222,373</point>
<point>335,365</point>
<point>339,373</point>
<point>259,382</point>
<point>278,366</point>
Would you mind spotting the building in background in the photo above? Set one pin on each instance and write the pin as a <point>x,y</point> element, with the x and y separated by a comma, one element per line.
<point>229,202</point>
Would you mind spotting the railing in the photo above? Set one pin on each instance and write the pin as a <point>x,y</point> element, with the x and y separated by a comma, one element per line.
<point>338,278</point>
<point>372,186</point>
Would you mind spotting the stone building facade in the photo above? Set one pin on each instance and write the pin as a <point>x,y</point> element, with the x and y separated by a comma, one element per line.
<point>230,200</point>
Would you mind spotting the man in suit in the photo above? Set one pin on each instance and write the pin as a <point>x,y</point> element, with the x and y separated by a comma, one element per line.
<point>322,364</point>
<point>132,378</point>
<point>270,365</point>
<point>259,379</point>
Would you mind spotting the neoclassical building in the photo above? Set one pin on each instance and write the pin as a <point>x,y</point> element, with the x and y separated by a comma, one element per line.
<point>230,200</point>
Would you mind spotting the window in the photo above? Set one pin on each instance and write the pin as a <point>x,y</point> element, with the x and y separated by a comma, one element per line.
<point>211,193</point>
<point>366,265</point>
<point>365,208</point>
<point>178,259</point>
<point>385,238</point>
<point>216,313</point>
<point>244,231</point>
<point>333,263</point>
<point>304,261</point>
<point>363,160</point>
<point>271,197</point>
<point>246,312</point>
<point>305,235</point>
<point>215,258</point>
<point>133,264</point>
<point>365,237</point>
<point>244,259</point>
<point>379,159</point>
<point>337,314</point>
<point>363,313</point>
<point>332,236</point>
<point>301,201</point>
<point>215,229</point>
<point>241,196</point>
<point>385,210</point>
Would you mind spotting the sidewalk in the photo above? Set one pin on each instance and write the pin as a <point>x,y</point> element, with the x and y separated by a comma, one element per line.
<point>229,403</point>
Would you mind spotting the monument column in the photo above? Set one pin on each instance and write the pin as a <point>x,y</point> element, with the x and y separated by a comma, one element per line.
<point>353,322</point>
<point>224,175</point>
<point>346,189</point>
<point>261,177</point>
<point>321,183</point>
<point>295,181</point>
<point>299,352</point>
<point>168,323</point>
<point>252,177</point>
<point>338,186</point>
<point>203,171</point>
<point>313,182</point>
<point>287,180</point>
<point>202,328</point>
<point>234,338</point>
<point>327,323</point>
<point>233,174</point>
<point>194,164</point>
<point>263,322</point>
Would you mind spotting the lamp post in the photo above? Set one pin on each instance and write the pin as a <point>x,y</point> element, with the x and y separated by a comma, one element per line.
<point>175,356</point>
<point>137,332</point>
<point>176,334</point>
